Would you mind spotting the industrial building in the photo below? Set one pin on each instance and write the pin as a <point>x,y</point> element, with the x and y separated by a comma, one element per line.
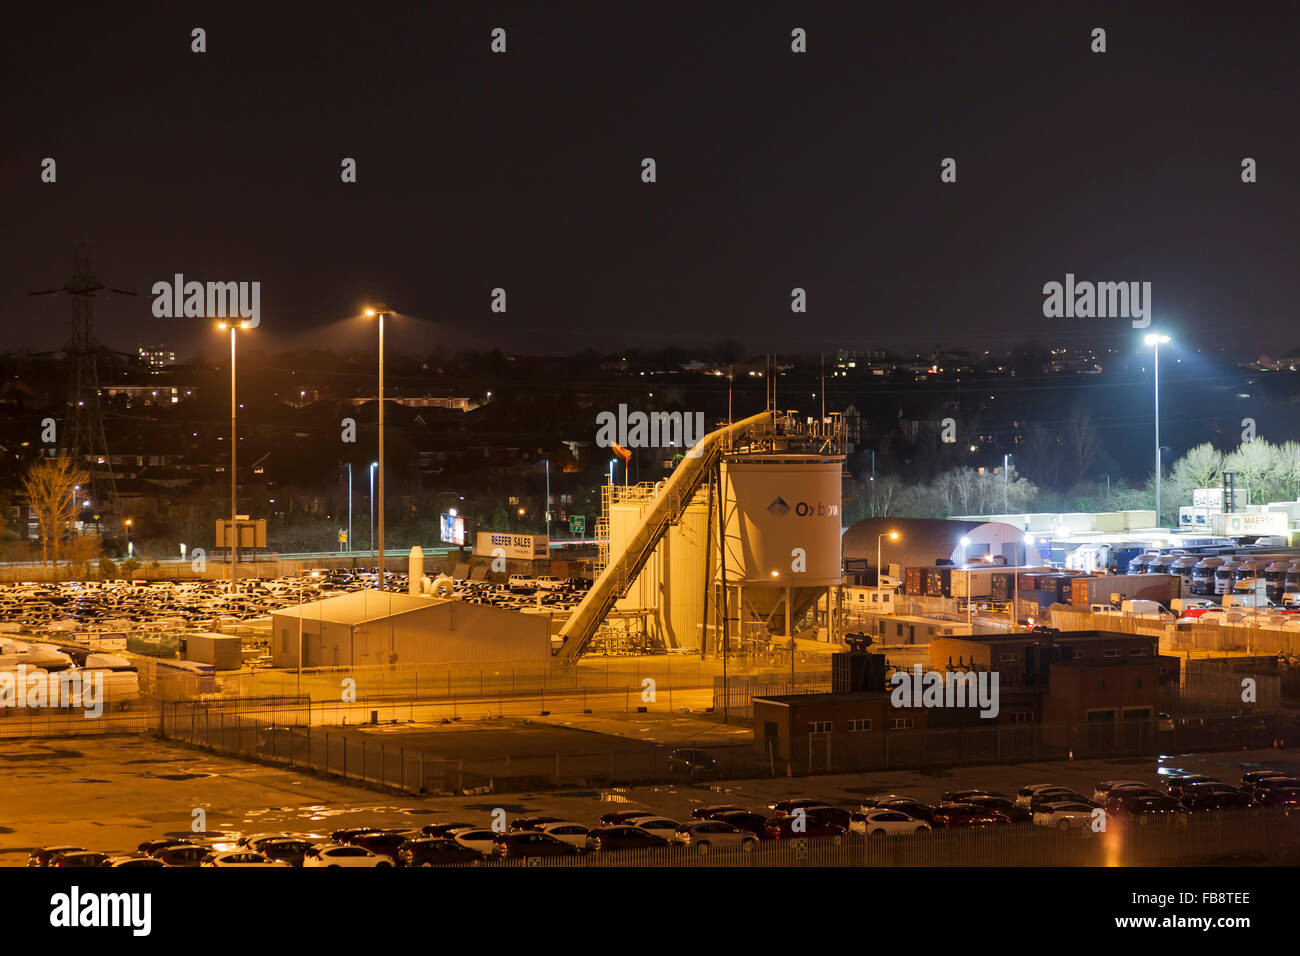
<point>930,541</point>
<point>373,627</point>
<point>739,545</point>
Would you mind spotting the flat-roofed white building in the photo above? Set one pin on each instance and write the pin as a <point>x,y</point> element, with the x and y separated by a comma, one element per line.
<point>375,627</point>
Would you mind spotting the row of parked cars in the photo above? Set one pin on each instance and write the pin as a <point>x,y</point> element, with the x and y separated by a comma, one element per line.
<point>710,828</point>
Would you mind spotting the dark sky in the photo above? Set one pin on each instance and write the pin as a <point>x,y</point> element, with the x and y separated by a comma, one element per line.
<point>775,170</point>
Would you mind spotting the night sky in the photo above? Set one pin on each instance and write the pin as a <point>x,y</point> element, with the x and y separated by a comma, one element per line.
<point>775,170</point>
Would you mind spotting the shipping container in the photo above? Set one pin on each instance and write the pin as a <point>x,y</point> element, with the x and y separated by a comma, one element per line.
<point>1100,589</point>
<point>972,582</point>
<point>914,581</point>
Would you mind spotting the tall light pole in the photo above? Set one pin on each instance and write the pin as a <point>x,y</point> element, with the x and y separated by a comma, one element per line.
<point>1006,476</point>
<point>349,506</point>
<point>548,500</point>
<point>380,312</point>
<point>373,466</point>
<point>234,443</point>
<point>1155,340</point>
<point>1015,582</point>
<point>892,536</point>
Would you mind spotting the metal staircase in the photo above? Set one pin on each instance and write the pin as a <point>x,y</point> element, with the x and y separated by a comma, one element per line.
<point>624,565</point>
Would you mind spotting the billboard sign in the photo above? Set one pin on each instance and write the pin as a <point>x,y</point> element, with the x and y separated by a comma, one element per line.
<point>452,529</point>
<point>522,547</point>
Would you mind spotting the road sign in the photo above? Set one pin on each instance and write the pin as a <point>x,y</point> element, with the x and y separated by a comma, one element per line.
<point>577,524</point>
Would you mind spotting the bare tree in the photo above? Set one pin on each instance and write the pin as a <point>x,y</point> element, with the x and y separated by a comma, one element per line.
<point>50,486</point>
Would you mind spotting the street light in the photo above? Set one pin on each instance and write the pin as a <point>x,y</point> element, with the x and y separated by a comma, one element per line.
<point>1155,341</point>
<point>380,311</point>
<point>234,441</point>
<point>893,536</point>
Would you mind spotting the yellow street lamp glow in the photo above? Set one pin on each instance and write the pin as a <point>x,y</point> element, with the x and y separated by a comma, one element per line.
<point>893,536</point>
<point>370,312</point>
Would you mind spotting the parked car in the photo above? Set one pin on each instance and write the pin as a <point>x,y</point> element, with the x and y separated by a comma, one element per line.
<point>827,814</point>
<point>1025,794</point>
<point>913,808</point>
<point>967,816</point>
<point>287,850</point>
<point>660,826</point>
<point>240,858</point>
<point>619,817</point>
<point>1145,807</point>
<point>1103,789</point>
<point>436,851</point>
<point>477,839</point>
<point>575,834</point>
<point>1175,782</point>
<point>47,854</point>
<point>335,854</point>
<point>1002,805</point>
<point>1203,802</point>
<point>445,829</point>
<point>705,835</point>
<point>1056,795</point>
<point>1064,815</point>
<point>713,810</point>
<point>532,823</point>
<point>1251,777</point>
<point>609,838</point>
<point>79,858</point>
<point>961,796</point>
<point>1280,797</point>
<point>783,828</point>
<point>184,855</point>
<point>522,846</point>
<point>883,823</point>
<point>1267,784</point>
<point>384,842</point>
<point>1192,791</point>
<point>132,861</point>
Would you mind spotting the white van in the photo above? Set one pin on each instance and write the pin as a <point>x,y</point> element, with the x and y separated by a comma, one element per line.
<point>1145,609</point>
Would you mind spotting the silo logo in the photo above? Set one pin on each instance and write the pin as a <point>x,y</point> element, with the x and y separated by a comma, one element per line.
<point>779,509</point>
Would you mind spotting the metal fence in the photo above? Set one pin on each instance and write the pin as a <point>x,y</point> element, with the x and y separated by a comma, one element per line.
<point>1011,743</point>
<point>138,718</point>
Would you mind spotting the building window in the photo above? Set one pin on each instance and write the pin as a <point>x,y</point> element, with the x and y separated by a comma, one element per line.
<point>900,723</point>
<point>819,726</point>
<point>1005,658</point>
<point>1139,651</point>
<point>1022,717</point>
<point>859,726</point>
<point>1114,652</point>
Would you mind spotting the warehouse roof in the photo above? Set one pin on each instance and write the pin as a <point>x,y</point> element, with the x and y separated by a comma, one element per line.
<point>921,541</point>
<point>359,607</point>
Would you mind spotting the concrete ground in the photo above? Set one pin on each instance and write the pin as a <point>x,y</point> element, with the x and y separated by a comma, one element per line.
<point>111,793</point>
